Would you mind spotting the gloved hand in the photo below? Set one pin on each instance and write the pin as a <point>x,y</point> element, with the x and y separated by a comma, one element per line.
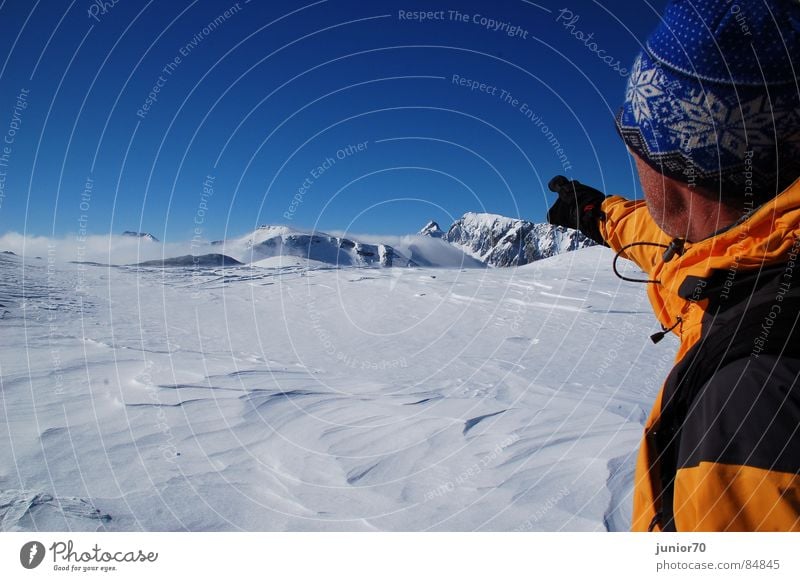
<point>577,206</point>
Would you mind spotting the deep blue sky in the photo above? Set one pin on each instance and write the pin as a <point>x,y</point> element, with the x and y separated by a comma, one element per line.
<point>260,101</point>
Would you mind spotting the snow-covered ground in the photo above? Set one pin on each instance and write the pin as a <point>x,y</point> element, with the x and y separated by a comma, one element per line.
<point>280,398</point>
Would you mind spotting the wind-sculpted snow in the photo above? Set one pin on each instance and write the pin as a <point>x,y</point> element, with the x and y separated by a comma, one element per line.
<point>295,398</point>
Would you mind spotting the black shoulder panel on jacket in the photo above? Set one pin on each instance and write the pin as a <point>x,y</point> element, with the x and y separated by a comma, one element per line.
<point>747,414</point>
<point>757,325</point>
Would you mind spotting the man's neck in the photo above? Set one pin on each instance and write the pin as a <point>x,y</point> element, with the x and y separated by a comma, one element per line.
<point>707,217</point>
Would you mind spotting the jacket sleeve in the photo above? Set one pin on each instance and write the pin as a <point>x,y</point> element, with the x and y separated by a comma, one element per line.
<point>629,221</point>
<point>739,452</point>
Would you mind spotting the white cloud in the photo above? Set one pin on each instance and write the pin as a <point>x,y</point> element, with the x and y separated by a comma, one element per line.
<point>110,249</point>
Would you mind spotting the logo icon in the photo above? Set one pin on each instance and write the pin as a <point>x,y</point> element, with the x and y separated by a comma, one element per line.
<point>31,554</point>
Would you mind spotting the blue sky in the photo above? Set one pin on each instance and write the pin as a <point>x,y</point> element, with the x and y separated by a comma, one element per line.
<point>260,108</point>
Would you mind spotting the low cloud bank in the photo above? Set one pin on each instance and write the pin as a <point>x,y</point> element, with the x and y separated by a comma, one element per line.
<point>106,249</point>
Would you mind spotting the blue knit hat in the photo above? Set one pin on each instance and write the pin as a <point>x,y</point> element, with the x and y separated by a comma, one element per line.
<point>714,98</point>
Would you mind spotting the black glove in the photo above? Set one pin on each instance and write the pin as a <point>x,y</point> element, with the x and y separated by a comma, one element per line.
<point>577,206</point>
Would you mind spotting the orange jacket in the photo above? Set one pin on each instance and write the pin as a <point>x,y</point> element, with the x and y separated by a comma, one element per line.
<point>720,491</point>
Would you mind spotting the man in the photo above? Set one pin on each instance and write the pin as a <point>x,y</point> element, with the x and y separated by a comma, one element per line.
<point>712,118</point>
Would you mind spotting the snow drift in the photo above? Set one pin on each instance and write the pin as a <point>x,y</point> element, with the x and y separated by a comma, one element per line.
<point>290,399</point>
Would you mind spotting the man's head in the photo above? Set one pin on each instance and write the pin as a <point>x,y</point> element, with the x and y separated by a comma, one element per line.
<point>712,110</point>
<point>681,210</point>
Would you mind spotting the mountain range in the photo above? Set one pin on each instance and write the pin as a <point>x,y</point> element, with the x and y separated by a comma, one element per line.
<point>476,240</point>
<point>500,241</point>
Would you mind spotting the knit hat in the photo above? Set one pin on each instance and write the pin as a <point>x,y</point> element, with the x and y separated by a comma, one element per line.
<point>714,99</point>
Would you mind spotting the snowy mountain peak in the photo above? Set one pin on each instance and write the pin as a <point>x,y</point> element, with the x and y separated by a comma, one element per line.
<point>141,235</point>
<point>485,219</point>
<point>266,232</point>
<point>272,242</point>
<point>432,229</point>
<point>501,241</point>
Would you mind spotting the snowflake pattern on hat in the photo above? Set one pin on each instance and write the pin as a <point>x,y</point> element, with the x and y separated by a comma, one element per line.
<point>708,121</point>
<point>644,85</point>
<point>684,128</point>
